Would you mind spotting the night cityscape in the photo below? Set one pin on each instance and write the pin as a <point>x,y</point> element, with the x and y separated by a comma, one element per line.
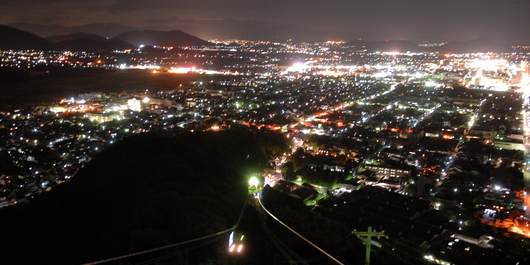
<point>170,143</point>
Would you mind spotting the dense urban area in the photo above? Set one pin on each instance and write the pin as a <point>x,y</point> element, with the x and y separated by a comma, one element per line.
<point>428,147</point>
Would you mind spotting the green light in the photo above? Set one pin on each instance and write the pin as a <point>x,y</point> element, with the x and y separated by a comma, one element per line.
<point>253,181</point>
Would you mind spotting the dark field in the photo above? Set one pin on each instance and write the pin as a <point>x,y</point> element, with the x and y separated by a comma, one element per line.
<point>24,88</point>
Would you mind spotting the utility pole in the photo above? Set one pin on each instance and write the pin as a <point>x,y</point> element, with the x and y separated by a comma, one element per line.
<point>368,234</point>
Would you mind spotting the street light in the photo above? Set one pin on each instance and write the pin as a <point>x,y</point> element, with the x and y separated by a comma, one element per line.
<point>253,183</point>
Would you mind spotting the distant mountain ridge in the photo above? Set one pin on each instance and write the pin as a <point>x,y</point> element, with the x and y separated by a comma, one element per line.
<point>165,38</point>
<point>12,38</point>
<point>475,45</point>
<point>251,29</point>
<point>81,41</point>
<point>92,45</point>
<point>107,30</point>
<point>75,36</point>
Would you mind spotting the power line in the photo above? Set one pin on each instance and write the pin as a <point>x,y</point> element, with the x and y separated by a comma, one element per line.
<point>242,211</point>
<point>337,251</point>
<point>280,245</point>
<point>174,254</point>
<point>160,248</point>
<point>296,233</point>
<point>176,244</point>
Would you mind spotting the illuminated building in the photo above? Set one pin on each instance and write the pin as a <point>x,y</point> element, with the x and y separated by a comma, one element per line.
<point>134,104</point>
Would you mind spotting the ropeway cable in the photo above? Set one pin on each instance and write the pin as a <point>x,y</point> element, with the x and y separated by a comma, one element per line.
<point>296,233</point>
<point>172,245</point>
<point>160,248</point>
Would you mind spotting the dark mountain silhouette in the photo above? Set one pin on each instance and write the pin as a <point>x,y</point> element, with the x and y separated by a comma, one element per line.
<point>389,46</point>
<point>259,30</point>
<point>107,30</point>
<point>87,42</point>
<point>396,46</point>
<point>256,30</point>
<point>12,38</point>
<point>141,193</point>
<point>173,38</point>
<point>93,45</point>
<point>75,36</point>
<point>230,28</point>
<point>475,45</point>
<point>220,29</point>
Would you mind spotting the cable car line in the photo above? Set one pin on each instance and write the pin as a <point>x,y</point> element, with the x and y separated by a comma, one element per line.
<point>172,245</point>
<point>296,233</point>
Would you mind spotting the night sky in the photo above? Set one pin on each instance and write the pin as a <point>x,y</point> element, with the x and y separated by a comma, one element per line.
<point>460,20</point>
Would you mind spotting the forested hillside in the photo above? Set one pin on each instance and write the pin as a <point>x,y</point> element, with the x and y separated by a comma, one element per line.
<point>143,192</point>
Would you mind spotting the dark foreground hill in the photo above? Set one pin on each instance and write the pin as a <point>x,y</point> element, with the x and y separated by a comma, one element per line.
<point>143,192</point>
